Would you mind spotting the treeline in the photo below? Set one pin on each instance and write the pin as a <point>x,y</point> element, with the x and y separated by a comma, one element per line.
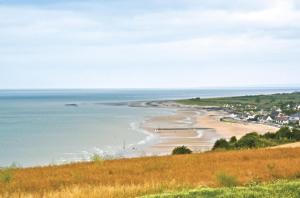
<point>254,140</point>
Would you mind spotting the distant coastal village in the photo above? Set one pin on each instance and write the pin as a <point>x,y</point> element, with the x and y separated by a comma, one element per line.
<point>285,114</point>
<point>276,110</point>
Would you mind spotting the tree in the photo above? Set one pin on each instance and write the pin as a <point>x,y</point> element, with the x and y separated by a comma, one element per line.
<point>181,150</point>
<point>232,140</point>
<point>284,132</point>
<point>296,134</point>
<point>221,144</point>
<point>269,135</point>
<point>250,140</point>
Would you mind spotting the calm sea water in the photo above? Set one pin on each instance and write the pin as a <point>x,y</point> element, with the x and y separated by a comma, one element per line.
<point>38,128</point>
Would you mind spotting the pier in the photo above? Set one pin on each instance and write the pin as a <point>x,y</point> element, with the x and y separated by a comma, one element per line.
<point>180,129</point>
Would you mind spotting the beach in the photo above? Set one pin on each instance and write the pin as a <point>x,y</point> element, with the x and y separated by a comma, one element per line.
<point>41,127</point>
<point>211,119</point>
<point>195,127</point>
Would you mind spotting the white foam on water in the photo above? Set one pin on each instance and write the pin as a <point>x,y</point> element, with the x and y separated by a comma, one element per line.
<point>200,133</point>
<point>131,150</point>
<point>150,137</point>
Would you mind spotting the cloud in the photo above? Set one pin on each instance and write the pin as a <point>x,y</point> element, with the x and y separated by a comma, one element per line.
<point>38,25</point>
<point>54,37</point>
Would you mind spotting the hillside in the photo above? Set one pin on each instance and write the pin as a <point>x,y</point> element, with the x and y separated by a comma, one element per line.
<point>275,190</point>
<point>266,102</point>
<point>144,176</point>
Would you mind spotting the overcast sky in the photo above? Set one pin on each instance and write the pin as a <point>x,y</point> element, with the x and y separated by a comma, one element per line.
<point>149,43</point>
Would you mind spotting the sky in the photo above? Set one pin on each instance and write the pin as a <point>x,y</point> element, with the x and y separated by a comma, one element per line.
<point>149,43</point>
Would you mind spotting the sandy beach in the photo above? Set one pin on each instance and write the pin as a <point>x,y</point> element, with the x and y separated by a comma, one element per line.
<point>211,119</point>
<point>195,127</point>
<point>179,129</point>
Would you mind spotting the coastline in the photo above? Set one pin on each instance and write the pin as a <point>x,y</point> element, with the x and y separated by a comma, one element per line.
<point>196,127</point>
<point>228,129</point>
<point>179,129</point>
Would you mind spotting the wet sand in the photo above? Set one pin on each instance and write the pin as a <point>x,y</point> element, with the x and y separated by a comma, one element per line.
<point>179,129</point>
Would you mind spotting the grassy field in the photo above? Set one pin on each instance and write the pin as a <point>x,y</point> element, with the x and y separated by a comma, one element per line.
<point>262,101</point>
<point>279,189</point>
<point>144,176</point>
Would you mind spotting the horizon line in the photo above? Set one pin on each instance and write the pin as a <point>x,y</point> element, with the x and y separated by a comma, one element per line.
<point>156,88</point>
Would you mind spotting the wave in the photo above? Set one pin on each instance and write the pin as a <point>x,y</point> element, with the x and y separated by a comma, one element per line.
<point>112,152</point>
<point>150,137</point>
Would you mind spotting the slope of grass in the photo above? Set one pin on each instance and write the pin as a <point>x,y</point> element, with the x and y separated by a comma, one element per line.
<point>262,101</point>
<point>142,176</point>
<point>279,189</point>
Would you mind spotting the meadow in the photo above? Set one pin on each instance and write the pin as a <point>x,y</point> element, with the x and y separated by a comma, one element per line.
<point>261,101</point>
<point>278,189</point>
<point>152,175</point>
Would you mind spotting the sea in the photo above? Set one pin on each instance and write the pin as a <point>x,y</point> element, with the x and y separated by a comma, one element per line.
<point>44,127</point>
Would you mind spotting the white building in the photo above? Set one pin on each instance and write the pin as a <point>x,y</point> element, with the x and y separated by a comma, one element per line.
<point>282,119</point>
<point>269,119</point>
<point>295,118</point>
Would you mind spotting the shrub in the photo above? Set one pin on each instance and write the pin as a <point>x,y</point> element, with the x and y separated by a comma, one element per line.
<point>250,140</point>
<point>226,180</point>
<point>232,140</point>
<point>284,132</point>
<point>6,175</point>
<point>96,158</point>
<point>181,150</point>
<point>269,135</point>
<point>221,144</point>
<point>296,134</point>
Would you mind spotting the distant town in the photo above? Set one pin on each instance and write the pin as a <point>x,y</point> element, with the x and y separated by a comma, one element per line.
<point>277,115</point>
<point>277,109</point>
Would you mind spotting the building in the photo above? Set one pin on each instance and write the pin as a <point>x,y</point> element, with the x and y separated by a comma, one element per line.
<point>269,119</point>
<point>282,119</point>
<point>295,118</point>
<point>265,119</point>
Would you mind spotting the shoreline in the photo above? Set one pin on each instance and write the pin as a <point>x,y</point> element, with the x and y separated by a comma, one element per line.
<point>196,127</point>
<point>178,129</point>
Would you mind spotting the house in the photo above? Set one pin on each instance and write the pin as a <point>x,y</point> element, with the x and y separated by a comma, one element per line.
<point>269,119</point>
<point>295,118</point>
<point>265,119</point>
<point>251,118</point>
<point>282,119</point>
<point>233,116</point>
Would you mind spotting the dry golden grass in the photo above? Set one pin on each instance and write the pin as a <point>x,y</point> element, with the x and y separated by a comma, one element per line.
<point>134,177</point>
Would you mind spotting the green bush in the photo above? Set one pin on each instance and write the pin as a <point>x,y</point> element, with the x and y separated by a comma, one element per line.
<point>6,175</point>
<point>96,158</point>
<point>284,132</point>
<point>250,140</point>
<point>181,150</point>
<point>226,180</point>
<point>296,134</point>
<point>253,140</point>
<point>269,135</point>
<point>232,140</point>
<point>221,144</point>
